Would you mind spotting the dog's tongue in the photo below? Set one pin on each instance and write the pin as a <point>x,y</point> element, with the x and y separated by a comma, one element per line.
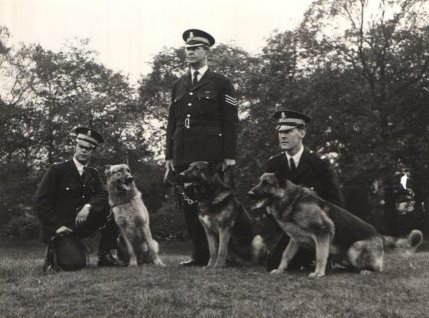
<point>261,203</point>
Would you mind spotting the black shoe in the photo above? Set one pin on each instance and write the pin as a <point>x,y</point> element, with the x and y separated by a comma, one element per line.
<point>108,260</point>
<point>192,262</point>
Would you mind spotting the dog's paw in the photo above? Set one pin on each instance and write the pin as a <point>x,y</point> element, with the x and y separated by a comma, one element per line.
<point>365,272</point>
<point>219,265</point>
<point>133,262</point>
<point>210,264</point>
<point>316,274</point>
<point>276,271</point>
<point>159,263</point>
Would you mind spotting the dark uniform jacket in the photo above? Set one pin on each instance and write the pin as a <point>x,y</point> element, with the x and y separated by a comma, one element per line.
<point>62,192</point>
<point>312,172</point>
<point>202,120</point>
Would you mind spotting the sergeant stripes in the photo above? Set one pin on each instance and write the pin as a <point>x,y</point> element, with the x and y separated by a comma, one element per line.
<point>231,100</point>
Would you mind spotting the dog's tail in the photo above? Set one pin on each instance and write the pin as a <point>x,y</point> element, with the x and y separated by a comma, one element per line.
<point>259,250</point>
<point>410,243</point>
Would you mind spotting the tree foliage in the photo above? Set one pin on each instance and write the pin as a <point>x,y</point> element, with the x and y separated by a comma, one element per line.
<point>358,68</point>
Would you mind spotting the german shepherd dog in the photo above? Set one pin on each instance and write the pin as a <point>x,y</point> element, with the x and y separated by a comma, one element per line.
<point>314,223</point>
<point>131,216</point>
<point>219,210</point>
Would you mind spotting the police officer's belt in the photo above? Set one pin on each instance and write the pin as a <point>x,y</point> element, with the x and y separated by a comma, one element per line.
<point>189,122</point>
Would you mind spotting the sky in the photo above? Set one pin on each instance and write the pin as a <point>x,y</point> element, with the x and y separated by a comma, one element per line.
<point>127,34</point>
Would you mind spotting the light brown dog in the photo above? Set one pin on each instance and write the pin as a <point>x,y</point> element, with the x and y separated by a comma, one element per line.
<point>131,216</point>
<point>314,223</point>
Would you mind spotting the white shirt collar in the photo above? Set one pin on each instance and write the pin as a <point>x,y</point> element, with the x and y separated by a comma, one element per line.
<point>79,166</point>
<point>201,71</point>
<point>296,157</point>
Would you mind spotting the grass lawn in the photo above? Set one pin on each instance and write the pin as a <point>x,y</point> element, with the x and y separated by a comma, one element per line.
<point>401,291</point>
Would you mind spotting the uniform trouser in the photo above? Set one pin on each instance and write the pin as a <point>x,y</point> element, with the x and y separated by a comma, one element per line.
<point>243,229</point>
<point>200,248</point>
<point>103,222</point>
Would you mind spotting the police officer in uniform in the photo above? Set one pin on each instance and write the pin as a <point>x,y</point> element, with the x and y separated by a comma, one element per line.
<point>71,197</point>
<point>202,126</point>
<point>301,166</point>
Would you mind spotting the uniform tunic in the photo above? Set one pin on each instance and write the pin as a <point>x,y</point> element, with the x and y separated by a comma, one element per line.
<point>312,172</point>
<point>63,192</point>
<point>202,120</point>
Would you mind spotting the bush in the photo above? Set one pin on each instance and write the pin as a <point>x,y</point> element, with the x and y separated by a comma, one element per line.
<point>23,227</point>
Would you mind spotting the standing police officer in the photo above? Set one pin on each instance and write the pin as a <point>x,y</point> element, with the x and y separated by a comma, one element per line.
<point>202,126</point>
<point>71,198</point>
<point>302,167</point>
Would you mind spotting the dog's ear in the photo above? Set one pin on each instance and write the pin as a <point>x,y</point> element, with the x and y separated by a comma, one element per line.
<point>282,182</point>
<point>212,167</point>
<point>106,170</point>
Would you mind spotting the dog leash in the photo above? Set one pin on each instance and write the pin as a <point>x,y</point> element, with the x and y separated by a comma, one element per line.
<point>182,193</point>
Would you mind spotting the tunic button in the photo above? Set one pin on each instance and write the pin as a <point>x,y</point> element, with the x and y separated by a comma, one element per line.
<point>189,104</point>
<point>189,115</point>
<point>190,93</point>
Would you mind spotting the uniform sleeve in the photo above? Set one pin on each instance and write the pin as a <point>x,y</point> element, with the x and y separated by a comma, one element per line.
<point>229,115</point>
<point>171,127</point>
<point>44,201</point>
<point>99,200</point>
<point>331,188</point>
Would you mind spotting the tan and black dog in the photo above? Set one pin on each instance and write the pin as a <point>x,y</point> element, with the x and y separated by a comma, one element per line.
<point>314,223</point>
<point>131,216</point>
<point>221,215</point>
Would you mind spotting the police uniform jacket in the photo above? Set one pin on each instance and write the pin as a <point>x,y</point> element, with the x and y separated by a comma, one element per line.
<point>62,192</point>
<point>202,120</point>
<point>311,172</point>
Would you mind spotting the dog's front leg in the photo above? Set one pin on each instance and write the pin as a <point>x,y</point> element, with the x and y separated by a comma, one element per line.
<point>288,254</point>
<point>322,253</point>
<point>212,242</point>
<point>153,254</point>
<point>224,236</point>
<point>130,249</point>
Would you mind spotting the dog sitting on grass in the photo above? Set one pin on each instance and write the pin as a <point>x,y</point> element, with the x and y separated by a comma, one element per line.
<point>131,216</point>
<point>314,223</point>
<point>218,211</point>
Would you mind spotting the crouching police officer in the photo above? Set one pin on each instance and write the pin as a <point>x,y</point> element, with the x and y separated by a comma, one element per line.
<point>298,164</point>
<point>71,197</point>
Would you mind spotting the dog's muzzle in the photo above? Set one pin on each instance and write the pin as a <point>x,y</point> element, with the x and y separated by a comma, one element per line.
<point>262,201</point>
<point>128,180</point>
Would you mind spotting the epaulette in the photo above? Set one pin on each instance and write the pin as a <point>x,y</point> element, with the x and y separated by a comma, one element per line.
<point>276,155</point>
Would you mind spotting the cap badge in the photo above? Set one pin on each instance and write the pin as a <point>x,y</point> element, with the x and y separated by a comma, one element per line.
<point>283,115</point>
<point>191,36</point>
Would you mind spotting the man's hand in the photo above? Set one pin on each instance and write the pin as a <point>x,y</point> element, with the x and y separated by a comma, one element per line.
<point>169,164</point>
<point>83,214</point>
<point>228,163</point>
<point>63,229</point>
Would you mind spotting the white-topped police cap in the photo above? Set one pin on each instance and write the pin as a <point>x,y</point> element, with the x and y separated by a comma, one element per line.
<point>195,37</point>
<point>289,119</point>
<point>87,137</point>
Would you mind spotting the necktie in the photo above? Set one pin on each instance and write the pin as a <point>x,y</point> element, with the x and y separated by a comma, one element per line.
<point>292,165</point>
<point>195,79</point>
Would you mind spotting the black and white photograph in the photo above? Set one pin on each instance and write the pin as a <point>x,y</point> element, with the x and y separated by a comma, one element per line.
<point>211,159</point>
